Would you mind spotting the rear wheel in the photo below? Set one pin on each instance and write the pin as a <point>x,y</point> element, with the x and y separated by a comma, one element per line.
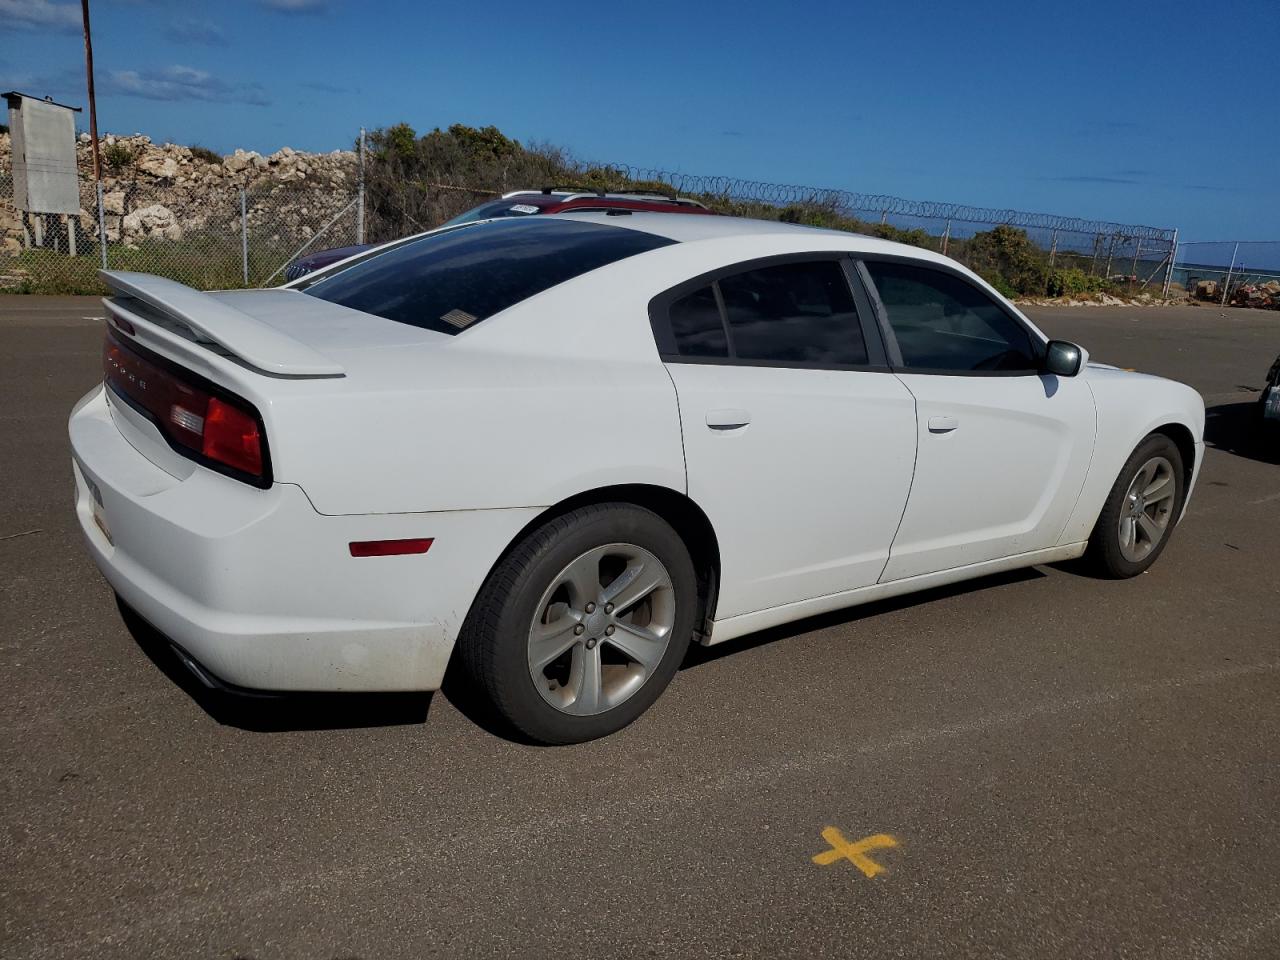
<point>1140,511</point>
<point>583,624</point>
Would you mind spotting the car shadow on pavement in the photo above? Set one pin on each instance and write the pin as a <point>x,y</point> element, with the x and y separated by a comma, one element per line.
<point>1238,428</point>
<point>698,655</point>
<point>282,712</point>
<point>276,712</point>
<point>463,696</point>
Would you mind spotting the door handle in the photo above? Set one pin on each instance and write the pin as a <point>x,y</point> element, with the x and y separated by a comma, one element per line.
<point>727,419</point>
<point>942,424</point>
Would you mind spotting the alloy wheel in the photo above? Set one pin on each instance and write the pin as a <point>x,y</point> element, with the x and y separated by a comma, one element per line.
<point>601,629</point>
<point>1147,509</point>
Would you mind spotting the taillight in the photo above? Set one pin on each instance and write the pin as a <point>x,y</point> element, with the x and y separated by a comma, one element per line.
<point>197,418</point>
<point>231,436</point>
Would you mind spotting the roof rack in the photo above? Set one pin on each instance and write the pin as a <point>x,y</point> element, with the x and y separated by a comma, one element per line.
<point>575,193</point>
<point>567,190</point>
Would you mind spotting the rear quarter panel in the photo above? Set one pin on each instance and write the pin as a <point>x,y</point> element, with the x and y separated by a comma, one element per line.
<point>556,396</point>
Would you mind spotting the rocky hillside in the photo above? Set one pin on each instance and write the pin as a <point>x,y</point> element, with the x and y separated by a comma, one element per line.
<point>170,192</point>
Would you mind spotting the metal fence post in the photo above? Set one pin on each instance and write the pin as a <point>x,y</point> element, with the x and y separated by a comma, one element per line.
<point>946,238</point>
<point>1226,284</point>
<point>244,236</point>
<point>1137,252</point>
<point>1173,259</point>
<point>1053,248</point>
<point>102,228</point>
<point>360,194</point>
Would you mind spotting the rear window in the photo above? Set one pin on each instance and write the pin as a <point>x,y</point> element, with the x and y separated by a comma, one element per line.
<point>510,207</point>
<point>449,281</point>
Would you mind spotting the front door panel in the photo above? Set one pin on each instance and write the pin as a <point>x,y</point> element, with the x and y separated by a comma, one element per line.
<point>1001,461</point>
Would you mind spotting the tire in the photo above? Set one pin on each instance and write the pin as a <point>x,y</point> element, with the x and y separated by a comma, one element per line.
<point>537,598</point>
<point>1110,553</point>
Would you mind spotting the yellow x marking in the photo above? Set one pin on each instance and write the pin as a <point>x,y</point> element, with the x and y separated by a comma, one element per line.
<point>855,853</point>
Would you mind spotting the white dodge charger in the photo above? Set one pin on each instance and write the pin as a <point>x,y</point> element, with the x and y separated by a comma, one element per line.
<point>568,446</point>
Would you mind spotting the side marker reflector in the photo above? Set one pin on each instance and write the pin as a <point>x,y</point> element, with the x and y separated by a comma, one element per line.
<point>389,548</point>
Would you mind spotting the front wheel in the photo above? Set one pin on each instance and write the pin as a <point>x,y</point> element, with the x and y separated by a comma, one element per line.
<point>1140,511</point>
<point>583,624</point>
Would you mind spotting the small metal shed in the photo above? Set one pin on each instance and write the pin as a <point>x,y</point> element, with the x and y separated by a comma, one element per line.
<point>43,141</point>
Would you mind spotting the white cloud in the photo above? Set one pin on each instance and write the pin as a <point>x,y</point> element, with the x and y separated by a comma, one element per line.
<point>192,30</point>
<point>40,14</point>
<point>181,83</point>
<point>296,6</point>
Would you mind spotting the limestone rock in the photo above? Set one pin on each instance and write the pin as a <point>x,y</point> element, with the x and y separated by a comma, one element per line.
<point>159,166</point>
<point>149,220</point>
<point>170,196</point>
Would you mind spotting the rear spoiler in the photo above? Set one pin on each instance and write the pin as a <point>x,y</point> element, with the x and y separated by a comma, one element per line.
<point>256,343</point>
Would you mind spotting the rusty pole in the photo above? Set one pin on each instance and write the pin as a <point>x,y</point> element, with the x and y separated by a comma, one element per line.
<point>93,108</point>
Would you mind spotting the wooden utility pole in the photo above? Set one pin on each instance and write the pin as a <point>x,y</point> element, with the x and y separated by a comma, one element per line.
<point>93,109</point>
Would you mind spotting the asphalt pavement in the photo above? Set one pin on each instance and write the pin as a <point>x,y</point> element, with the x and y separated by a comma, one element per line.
<point>1038,764</point>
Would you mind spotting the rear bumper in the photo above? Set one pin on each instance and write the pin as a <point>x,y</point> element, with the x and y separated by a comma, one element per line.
<point>259,587</point>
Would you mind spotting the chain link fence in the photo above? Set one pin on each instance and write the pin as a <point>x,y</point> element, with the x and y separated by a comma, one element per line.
<point>209,222</point>
<point>1021,253</point>
<point>217,238</point>
<point>238,221</point>
<point>1243,273</point>
<point>1067,252</point>
<point>1102,247</point>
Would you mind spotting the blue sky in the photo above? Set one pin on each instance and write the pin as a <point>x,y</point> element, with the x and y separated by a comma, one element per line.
<point>1161,114</point>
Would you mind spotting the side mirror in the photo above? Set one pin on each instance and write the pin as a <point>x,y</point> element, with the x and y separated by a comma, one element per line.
<point>1063,359</point>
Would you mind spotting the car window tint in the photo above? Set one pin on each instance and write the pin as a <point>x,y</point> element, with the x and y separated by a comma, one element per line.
<point>696,325</point>
<point>943,322</point>
<point>795,312</point>
<point>452,280</point>
<point>510,207</point>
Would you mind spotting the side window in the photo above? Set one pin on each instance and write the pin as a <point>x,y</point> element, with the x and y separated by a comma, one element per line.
<point>942,322</point>
<point>697,327</point>
<point>794,312</point>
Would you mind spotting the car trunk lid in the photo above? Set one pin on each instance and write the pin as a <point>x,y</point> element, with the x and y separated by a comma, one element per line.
<point>178,362</point>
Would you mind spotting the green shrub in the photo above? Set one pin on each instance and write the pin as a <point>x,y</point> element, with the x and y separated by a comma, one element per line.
<point>1005,255</point>
<point>1073,282</point>
<point>397,141</point>
<point>916,237</point>
<point>119,157</point>
<point>204,153</point>
<point>1001,284</point>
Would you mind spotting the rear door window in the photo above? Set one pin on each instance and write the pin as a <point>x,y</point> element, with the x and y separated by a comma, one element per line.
<point>799,313</point>
<point>449,281</point>
<point>794,312</point>
<point>697,326</point>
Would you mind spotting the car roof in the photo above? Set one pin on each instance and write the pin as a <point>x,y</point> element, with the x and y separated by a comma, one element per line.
<point>772,235</point>
<point>689,229</point>
<point>685,229</point>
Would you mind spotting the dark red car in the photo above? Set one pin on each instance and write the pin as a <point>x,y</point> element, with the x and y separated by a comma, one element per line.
<point>523,203</point>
